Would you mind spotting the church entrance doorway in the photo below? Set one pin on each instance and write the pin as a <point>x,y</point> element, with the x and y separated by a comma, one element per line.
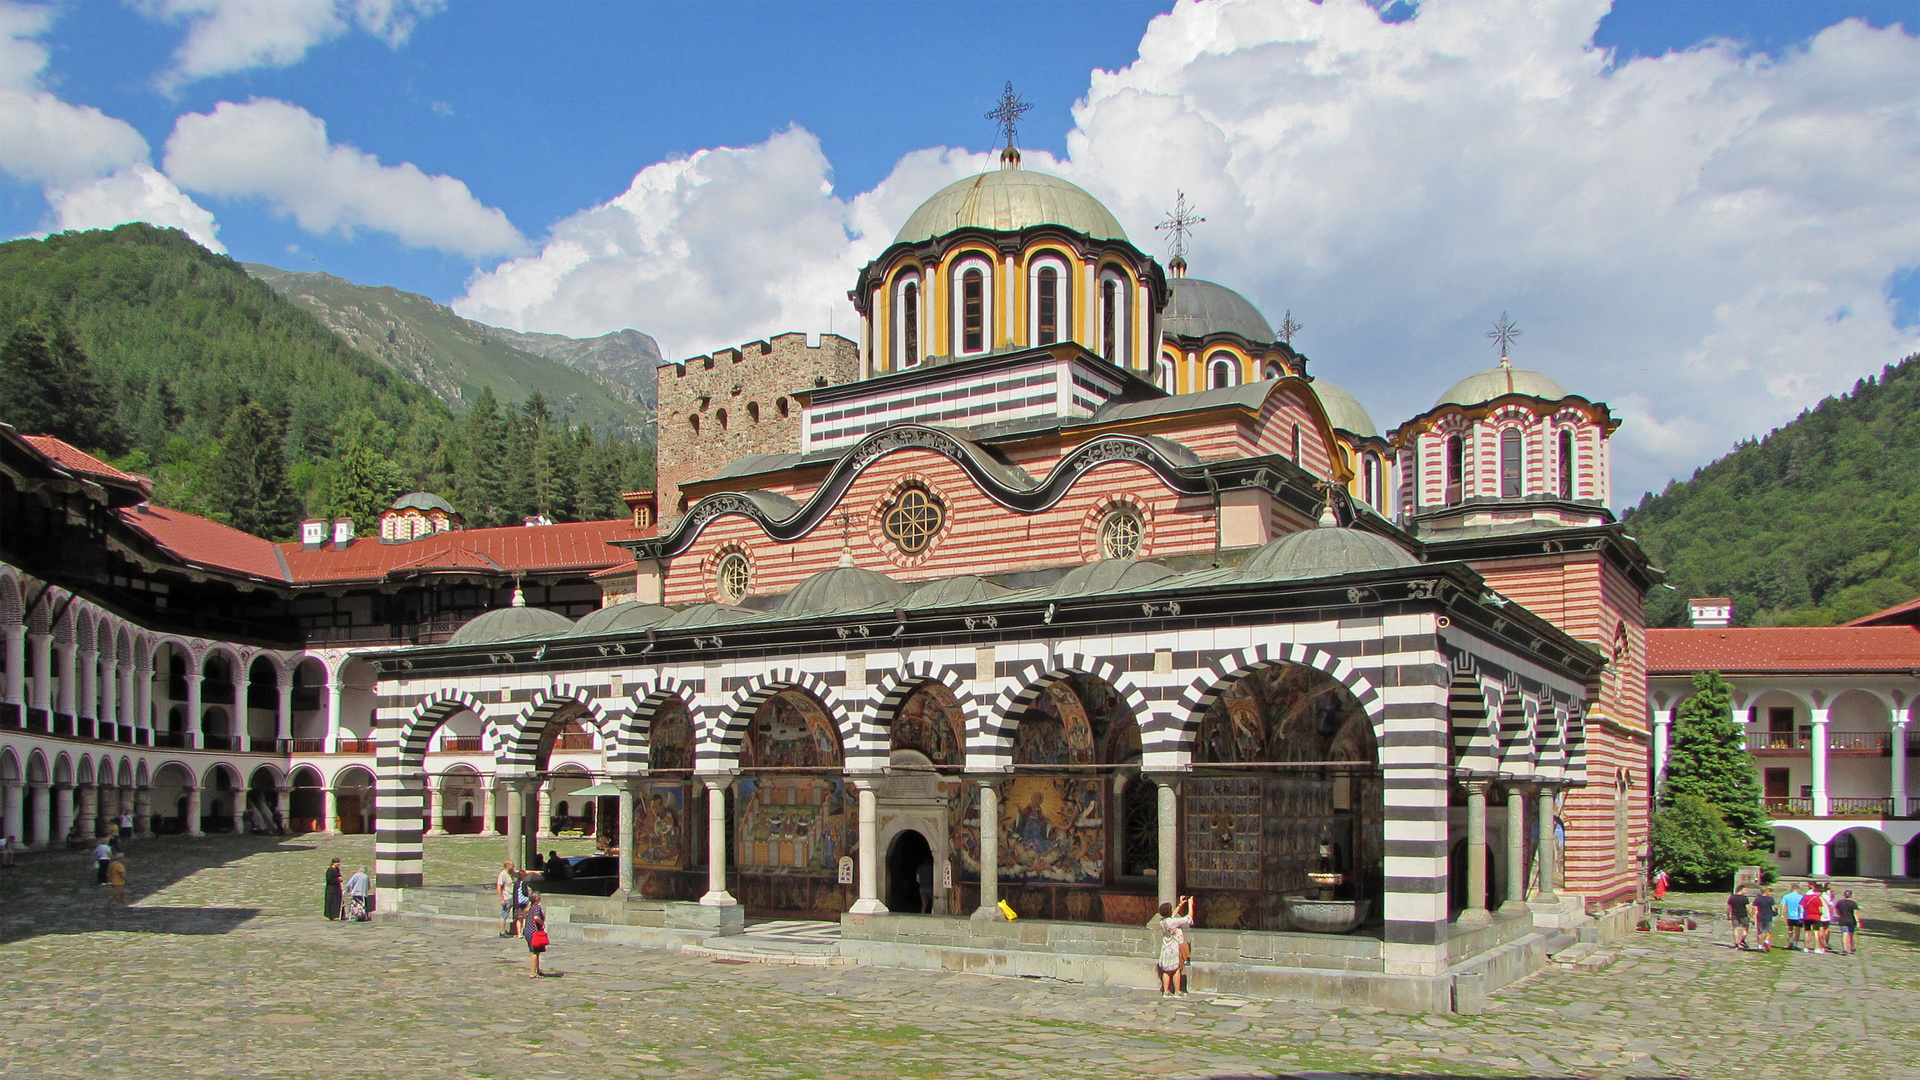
<point>905,860</point>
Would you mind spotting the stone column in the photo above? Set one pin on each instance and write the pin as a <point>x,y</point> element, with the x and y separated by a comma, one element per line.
<point>1476,909</point>
<point>1817,860</point>
<point>433,804</point>
<point>42,809</point>
<point>1516,845</point>
<point>16,684</point>
<point>109,809</point>
<point>335,691</point>
<point>109,691</point>
<point>283,719</point>
<point>543,817</point>
<point>329,812</point>
<point>193,811</point>
<point>1897,866</point>
<point>90,809</point>
<point>623,835</point>
<point>62,812</point>
<point>488,826</point>
<point>192,740</point>
<point>1820,717</point>
<point>239,811</point>
<point>11,794</point>
<point>283,805</point>
<point>69,664</point>
<point>717,894</point>
<point>989,850</point>
<point>1662,738</point>
<point>143,699</point>
<point>1168,872</point>
<point>869,902</point>
<point>516,821</point>
<point>241,728</point>
<point>1898,748</point>
<point>530,792</point>
<point>142,811</point>
<point>40,695</point>
<point>1543,846</point>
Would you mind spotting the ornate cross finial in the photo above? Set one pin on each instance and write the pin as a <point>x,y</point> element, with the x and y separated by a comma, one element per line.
<point>1006,114</point>
<point>1502,335</point>
<point>1180,222</point>
<point>1288,327</point>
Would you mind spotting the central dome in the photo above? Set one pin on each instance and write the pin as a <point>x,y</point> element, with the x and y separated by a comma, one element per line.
<point>1496,382</point>
<point>1199,308</point>
<point>1008,200</point>
<point>1344,411</point>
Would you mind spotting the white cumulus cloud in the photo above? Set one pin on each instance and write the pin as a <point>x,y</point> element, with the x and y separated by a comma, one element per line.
<point>280,154</point>
<point>136,193</point>
<point>225,36</point>
<point>1702,239</point>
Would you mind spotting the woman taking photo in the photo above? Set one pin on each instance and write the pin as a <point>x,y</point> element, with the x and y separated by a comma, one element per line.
<point>1174,921</point>
<point>533,925</point>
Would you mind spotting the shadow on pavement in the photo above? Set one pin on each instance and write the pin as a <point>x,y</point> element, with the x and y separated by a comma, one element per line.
<point>131,920</point>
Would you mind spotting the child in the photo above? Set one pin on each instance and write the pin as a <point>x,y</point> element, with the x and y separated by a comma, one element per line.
<point>117,881</point>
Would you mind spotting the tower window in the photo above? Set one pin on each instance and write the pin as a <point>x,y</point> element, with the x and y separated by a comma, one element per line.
<point>910,324</point>
<point>1222,373</point>
<point>1510,463</point>
<point>1275,371</point>
<point>1165,376</point>
<point>1370,480</point>
<point>973,311</point>
<point>1110,321</point>
<point>1456,470</point>
<point>1566,464</point>
<point>1049,289</point>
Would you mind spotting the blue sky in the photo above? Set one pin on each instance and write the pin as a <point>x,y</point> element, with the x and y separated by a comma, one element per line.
<point>540,116</point>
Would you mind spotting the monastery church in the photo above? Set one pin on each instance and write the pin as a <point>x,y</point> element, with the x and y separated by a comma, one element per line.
<point>1070,579</point>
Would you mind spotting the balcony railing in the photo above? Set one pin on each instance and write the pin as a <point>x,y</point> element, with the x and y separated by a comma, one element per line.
<point>170,738</point>
<point>1859,742</point>
<point>219,742</point>
<point>354,746</point>
<point>1776,742</point>
<point>573,742</point>
<point>462,744</point>
<point>1851,807</point>
<point>1801,807</point>
<point>309,746</point>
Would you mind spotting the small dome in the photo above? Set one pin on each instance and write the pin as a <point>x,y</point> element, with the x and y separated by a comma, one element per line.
<point>843,588</point>
<point>707,614</point>
<point>1199,308</point>
<point>1008,200</point>
<point>1328,551</point>
<point>953,592</point>
<point>1109,575</point>
<point>1498,382</point>
<point>1344,411</point>
<point>511,624</point>
<point>422,500</point>
<point>617,617</point>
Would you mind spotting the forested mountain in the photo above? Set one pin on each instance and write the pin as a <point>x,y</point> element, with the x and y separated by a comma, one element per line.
<point>599,381</point>
<point>170,360</point>
<point>1816,524</point>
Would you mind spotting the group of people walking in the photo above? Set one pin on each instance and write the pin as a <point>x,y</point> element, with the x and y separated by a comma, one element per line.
<point>346,901</point>
<point>1812,913</point>
<point>522,915</point>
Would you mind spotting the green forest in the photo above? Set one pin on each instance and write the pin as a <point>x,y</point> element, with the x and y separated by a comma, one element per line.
<point>1816,524</point>
<point>165,359</point>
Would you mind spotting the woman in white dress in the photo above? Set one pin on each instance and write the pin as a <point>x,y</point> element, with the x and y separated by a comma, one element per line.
<point>1174,921</point>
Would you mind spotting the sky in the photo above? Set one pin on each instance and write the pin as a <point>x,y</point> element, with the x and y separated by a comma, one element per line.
<point>1705,214</point>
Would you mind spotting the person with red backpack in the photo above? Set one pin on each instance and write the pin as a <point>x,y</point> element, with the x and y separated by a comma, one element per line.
<point>534,925</point>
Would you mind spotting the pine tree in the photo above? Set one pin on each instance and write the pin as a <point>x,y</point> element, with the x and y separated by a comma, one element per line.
<point>49,387</point>
<point>364,483</point>
<point>247,483</point>
<point>1709,758</point>
<point>1692,841</point>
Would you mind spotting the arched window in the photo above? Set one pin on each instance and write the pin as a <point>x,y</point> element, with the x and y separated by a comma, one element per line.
<point>1164,376</point>
<point>1296,444</point>
<point>1047,306</point>
<point>1566,464</point>
<point>720,416</point>
<point>1222,372</point>
<point>1510,455</point>
<point>1456,470</point>
<point>1275,371</point>
<point>693,421</point>
<point>780,406</point>
<point>973,311</point>
<point>753,411</point>
<point>1115,326</point>
<point>1370,479</point>
<point>910,324</point>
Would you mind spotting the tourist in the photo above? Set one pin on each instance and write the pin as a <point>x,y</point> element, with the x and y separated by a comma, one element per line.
<point>1827,917</point>
<point>534,930</point>
<point>357,895</point>
<point>1763,906</point>
<point>557,868</point>
<point>102,858</point>
<point>503,884</point>
<point>1173,945</point>
<point>923,877</point>
<point>330,902</point>
<point>117,882</point>
<point>1738,909</point>
<point>7,848</point>
<point>522,895</point>
<point>126,827</point>
<point>1848,911</point>
<point>1796,916</point>
<point>1813,915</point>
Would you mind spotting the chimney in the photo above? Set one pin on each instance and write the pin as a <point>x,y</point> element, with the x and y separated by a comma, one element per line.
<point>1710,612</point>
<point>342,533</point>
<point>313,533</point>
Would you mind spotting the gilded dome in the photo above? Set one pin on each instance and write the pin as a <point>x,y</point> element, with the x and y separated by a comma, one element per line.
<point>1007,200</point>
<point>511,624</point>
<point>1199,308</point>
<point>1328,551</point>
<point>1498,382</point>
<point>1344,411</point>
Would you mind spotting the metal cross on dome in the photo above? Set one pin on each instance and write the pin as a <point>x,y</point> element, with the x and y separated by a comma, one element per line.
<point>1006,113</point>
<point>1502,335</point>
<point>1180,222</point>
<point>1288,327</point>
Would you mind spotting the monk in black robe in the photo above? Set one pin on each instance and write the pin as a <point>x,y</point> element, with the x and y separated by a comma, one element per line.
<point>332,899</point>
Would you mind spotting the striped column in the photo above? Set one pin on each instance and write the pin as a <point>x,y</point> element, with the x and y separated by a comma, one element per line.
<point>399,822</point>
<point>1413,760</point>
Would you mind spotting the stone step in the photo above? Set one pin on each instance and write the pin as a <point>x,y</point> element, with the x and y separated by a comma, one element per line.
<point>733,950</point>
<point>1574,955</point>
<point>1561,941</point>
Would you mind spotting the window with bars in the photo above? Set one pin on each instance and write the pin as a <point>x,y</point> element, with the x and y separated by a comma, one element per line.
<point>732,578</point>
<point>1121,534</point>
<point>913,520</point>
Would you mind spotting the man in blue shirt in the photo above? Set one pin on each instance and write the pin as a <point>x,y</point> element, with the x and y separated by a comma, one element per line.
<point>1791,903</point>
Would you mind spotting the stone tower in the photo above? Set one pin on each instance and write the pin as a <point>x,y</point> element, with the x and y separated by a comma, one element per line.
<point>737,402</point>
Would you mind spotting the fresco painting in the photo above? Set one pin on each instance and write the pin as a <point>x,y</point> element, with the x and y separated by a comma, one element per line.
<point>929,722</point>
<point>791,731</point>
<point>659,826</point>
<point>670,738</point>
<point>791,824</point>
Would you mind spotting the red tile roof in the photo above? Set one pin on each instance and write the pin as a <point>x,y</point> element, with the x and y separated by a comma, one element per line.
<point>199,542</point>
<point>1906,614</point>
<point>74,459</point>
<point>1784,650</point>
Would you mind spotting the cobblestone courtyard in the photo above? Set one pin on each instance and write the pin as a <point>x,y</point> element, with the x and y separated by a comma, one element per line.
<point>222,967</point>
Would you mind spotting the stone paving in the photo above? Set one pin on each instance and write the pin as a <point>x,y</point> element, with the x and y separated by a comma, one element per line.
<point>222,967</point>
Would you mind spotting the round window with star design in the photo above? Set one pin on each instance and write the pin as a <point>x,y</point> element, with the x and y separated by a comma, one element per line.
<point>732,578</point>
<point>1121,534</point>
<point>913,520</point>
